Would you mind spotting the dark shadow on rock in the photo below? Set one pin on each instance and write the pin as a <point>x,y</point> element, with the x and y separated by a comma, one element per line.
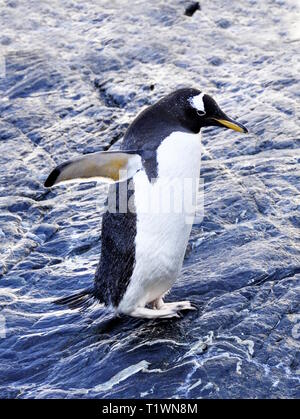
<point>192,8</point>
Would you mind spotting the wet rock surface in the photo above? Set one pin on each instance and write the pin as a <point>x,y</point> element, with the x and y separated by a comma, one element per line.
<point>73,75</point>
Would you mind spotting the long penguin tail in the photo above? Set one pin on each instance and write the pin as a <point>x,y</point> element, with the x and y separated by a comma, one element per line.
<point>82,299</point>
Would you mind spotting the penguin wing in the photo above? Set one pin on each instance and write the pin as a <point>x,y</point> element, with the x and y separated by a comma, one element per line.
<point>109,166</point>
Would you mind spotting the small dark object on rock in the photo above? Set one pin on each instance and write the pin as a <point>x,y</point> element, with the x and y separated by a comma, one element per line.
<point>192,8</point>
<point>152,86</point>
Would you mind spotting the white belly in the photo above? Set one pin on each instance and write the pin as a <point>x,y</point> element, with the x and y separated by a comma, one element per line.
<point>165,214</point>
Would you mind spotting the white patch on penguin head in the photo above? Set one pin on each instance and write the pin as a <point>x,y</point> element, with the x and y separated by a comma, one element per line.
<point>197,102</point>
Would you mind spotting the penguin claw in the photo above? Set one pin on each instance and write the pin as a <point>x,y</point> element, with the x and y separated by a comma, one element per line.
<point>181,306</point>
<point>192,308</point>
<point>187,308</point>
<point>173,316</point>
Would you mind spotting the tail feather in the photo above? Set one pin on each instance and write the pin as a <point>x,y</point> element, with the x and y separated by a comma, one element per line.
<point>82,299</point>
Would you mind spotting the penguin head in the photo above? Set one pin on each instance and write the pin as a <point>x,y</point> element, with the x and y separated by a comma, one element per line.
<point>195,109</point>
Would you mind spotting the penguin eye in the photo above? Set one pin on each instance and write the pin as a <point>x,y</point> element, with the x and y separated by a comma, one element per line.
<point>201,113</point>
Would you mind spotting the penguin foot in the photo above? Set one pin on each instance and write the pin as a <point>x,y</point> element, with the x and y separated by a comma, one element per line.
<point>178,306</point>
<point>148,313</point>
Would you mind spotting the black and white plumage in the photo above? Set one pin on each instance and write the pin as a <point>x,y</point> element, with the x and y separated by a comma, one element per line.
<point>142,251</point>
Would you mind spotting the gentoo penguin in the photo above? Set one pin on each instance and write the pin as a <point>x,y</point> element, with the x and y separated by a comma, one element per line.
<point>143,248</point>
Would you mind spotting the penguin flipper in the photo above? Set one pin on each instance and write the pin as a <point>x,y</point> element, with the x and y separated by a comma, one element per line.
<point>109,166</point>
